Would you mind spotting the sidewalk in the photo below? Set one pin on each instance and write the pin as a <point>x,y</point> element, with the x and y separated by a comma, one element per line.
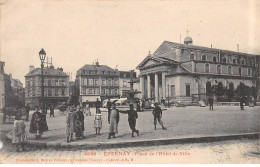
<point>188,124</point>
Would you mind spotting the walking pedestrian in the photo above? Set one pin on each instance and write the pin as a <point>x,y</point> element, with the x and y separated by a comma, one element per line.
<point>132,116</point>
<point>138,108</point>
<point>27,110</point>
<point>109,109</point>
<point>70,120</point>
<point>143,104</point>
<point>157,113</point>
<point>19,134</point>
<point>98,105</point>
<point>211,101</point>
<point>79,123</point>
<point>98,123</point>
<point>52,111</point>
<point>114,120</point>
<point>241,103</point>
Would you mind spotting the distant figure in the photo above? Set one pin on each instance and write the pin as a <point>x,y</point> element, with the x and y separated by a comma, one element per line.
<point>19,134</point>
<point>109,109</point>
<point>132,116</point>
<point>98,105</point>
<point>147,104</point>
<point>87,109</point>
<point>70,120</point>
<point>210,101</point>
<point>157,113</point>
<point>162,103</point>
<point>52,111</point>
<point>27,111</point>
<point>241,103</point>
<point>98,123</point>
<point>143,104</point>
<point>114,120</point>
<point>79,123</point>
<point>138,108</point>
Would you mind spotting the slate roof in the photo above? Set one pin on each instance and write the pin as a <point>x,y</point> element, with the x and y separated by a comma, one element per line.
<point>99,68</point>
<point>47,71</point>
<point>178,70</point>
<point>195,47</point>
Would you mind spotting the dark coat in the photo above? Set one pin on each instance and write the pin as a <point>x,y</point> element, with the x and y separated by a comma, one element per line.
<point>157,112</point>
<point>38,121</point>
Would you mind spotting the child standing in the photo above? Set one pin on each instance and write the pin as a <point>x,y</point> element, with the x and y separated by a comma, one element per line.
<point>19,135</point>
<point>98,123</point>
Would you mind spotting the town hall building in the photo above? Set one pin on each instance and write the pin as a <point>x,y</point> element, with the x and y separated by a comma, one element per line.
<point>185,71</point>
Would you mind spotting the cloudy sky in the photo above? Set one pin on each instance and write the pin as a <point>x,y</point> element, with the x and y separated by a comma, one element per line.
<point>120,33</point>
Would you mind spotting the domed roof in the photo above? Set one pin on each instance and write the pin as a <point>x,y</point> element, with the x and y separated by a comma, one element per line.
<point>188,39</point>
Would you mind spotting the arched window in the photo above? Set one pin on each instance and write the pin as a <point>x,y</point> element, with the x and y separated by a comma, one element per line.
<point>224,60</point>
<point>239,71</point>
<point>214,59</point>
<point>203,58</point>
<point>219,69</point>
<point>249,72</point>
<point>229,70</point>
<point>192,56</point>
<point>206,68</point>
<point>208,89</point>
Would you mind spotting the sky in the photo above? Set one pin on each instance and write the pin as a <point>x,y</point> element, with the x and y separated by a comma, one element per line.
<point>118,33</point>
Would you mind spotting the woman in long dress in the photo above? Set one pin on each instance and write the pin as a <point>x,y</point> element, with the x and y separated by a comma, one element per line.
<point>70,119</point>
<point>19,134</point>
<point>36,125</point>
<point>114,119</point>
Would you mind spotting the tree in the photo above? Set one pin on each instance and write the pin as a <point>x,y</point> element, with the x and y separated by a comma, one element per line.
<point>219,90</point>
<point>230,91</point>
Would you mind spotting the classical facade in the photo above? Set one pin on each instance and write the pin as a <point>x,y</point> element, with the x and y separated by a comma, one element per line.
<point>124,79</point>
<point>183,71</point>
<point>97,81</point>
<point>56,86</point>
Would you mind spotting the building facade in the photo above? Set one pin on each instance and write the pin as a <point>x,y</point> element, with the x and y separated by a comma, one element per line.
<point>56,86</point>
<point>182,72</point>
<point>124,79</point>
<point>97,82</point>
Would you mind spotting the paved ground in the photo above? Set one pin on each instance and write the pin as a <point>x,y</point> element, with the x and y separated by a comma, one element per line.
<point>180,122</point>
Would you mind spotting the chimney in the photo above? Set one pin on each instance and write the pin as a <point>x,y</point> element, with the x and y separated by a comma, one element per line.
<point>31,68</point>
<point>2,69</point>
<point>61,69</point>
<point>97,63</point>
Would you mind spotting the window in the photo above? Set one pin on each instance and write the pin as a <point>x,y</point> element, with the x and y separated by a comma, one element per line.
<point>49,92</point>
<point>96,82</point>
<point>33,91</point>
<point>229,70</point>
<point>90,72</point>
<point>103,91</point>
<point>115,91</point>
<point>124,75</point>
<point>103,82</point>
<point>243,62</point>
<point>49,82</point>
<point>56,83</point>
<point>188,90</point>
<point>206,68</point>
<point>109,91</point>
<point>224,60</point>
<point>172,90</point>
<point>203,58</point>
<point>63,92</point>
<point>234,61</point>
<point>218,69</point>
<point>239,71</point>
<point>56,92</point>
<point>214,59</point>
<point>110,82</point>
<point>124,84</point>
<point>90,82</point>
<point>103,72</point>
<point>85,82</point>
<point>33,82</point>
<point>90,91</point>
<point>109,72</point>
<point>28,93</point>
<point>62,83</point>
<point>248,71</point>
<point>192,56</point>
<point>97,91</point>
<point>115,82</point>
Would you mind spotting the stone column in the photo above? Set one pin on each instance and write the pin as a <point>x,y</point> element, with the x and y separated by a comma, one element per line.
<point>163,86</point>
<point>156,87</point>
<point>142,86</point>
<point>148,86</point>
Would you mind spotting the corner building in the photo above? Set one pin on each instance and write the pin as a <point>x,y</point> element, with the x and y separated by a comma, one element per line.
<point>184,72</point>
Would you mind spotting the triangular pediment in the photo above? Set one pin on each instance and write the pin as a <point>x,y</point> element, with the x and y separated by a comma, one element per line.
<point>148,61</point>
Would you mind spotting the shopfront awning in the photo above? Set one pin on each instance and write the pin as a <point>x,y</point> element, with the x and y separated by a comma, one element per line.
<point>90,98</point>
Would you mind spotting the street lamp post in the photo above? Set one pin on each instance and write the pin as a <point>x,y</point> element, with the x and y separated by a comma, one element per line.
<point>42,56</point>
<point>168,95</point>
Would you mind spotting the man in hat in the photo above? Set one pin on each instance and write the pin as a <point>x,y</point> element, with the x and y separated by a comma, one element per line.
<point>132,116</point>
<point>98,105</point>
<point>157,115</point>
<point>109,109</point>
